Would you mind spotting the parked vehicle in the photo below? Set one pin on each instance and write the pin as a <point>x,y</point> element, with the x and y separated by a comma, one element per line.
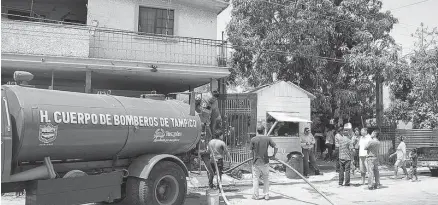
<point>428,157</point>
<point>426,142</point>
<point>74,148</point>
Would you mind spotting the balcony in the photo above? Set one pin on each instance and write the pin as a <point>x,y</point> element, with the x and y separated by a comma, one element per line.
<point>133,46</point>
<point>40,38</point>
<point>82,41</point>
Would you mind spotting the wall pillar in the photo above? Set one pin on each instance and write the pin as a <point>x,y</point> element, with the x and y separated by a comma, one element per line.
<point>222,86</point>
<point>214,85</point>
<point>88,81</point>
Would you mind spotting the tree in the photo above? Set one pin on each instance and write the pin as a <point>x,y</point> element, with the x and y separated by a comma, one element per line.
<point>332,48</point>
<point>414,85</point>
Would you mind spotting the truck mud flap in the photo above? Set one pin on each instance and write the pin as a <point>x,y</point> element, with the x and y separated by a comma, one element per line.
<point>77,190</point>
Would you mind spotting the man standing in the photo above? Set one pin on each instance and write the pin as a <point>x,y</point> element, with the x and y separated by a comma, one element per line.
<point>372,164</point>
<point>363,141</point>
<point>338,136</point>
<point>217,148</point>
<point>401,159</point>
<point>260,164</point>
<point>213,104</point>
<point>330,142</point>
<point>345,155</point>
<point>355,141</point>
<point>308,143</point>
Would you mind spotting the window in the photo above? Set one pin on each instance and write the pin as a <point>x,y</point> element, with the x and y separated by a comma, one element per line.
<point>156,21</point>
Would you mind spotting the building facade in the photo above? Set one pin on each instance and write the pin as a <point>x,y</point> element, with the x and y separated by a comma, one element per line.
<point>123,47</point>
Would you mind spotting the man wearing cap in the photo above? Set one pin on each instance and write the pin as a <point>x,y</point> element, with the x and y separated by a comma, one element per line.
<point>401,159</point>
<point>307,144</point>
<point>260,163</point>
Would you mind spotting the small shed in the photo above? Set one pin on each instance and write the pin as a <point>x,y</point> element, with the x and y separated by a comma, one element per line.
<point>290,106</point>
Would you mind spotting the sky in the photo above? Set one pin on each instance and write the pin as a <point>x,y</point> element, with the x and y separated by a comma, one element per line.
<point>413,13</point>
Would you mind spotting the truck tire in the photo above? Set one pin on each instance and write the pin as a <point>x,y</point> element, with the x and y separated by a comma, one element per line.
<point>166,185</point>
<point>434,172</point>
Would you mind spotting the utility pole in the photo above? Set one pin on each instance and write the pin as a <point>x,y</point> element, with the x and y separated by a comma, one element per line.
<point>422,35</point>
<point>379,100</point>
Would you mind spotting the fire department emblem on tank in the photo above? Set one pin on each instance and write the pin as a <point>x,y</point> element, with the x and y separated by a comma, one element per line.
<point>159,134</point>
<point>48,133</point>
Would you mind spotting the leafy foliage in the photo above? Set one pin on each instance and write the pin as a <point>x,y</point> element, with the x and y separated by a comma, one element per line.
<point>332,48</point>
<point>414,84</point>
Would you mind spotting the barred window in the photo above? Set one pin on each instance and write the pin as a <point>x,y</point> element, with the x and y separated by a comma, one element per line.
<point>156,21</point>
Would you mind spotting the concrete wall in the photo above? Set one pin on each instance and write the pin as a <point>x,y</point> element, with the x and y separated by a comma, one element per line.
<point>190,21</point>
<point>283,97</point>
<point>43,39</point>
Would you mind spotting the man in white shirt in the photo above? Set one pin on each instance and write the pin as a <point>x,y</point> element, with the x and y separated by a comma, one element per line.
<point>363,141</point>
<point>401,158</point>
<point>308,143</point>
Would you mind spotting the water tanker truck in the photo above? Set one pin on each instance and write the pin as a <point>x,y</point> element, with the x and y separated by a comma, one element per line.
<point>74,148</point>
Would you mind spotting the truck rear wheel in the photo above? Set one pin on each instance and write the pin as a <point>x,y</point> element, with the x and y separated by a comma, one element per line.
<point>166,185</point>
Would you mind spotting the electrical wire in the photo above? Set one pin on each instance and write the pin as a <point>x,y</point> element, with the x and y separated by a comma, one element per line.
<point>345,20</point>
<point>407,5</point>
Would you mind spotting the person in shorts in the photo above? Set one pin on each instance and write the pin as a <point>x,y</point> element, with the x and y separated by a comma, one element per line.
<point>363,141</point>
<point>401,159</point>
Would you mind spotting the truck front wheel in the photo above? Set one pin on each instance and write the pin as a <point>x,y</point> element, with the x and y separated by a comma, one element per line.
<point>166,185</point>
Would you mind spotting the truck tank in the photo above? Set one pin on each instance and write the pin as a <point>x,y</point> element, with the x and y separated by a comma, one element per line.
<point>67,125</point>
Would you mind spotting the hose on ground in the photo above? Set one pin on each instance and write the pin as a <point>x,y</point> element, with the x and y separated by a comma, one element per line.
<point>304,178</point>
<point>290,167</point>
<point>219,182</point>
<point>233,168</point>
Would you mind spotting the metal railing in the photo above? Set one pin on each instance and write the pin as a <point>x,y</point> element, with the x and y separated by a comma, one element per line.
<point>238,155</point>
<point>106,43</point>
<point>135,46</point>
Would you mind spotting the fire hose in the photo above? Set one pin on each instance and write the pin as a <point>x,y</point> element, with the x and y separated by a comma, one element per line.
<point>219,181</point>
<point>285,164</point>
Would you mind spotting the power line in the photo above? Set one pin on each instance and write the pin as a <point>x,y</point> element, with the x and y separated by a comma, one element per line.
<point>346,20</point>
<point>412,4</point>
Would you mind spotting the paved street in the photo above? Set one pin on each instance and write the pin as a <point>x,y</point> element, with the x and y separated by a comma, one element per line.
<point>402,192</point>
<point>297,192</point>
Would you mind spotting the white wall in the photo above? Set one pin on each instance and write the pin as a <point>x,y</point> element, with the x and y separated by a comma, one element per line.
<point>123,14</point>
<point>284,98</point>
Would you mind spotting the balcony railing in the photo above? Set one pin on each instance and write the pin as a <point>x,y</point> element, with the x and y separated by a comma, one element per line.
<point>124,45</point>
<point>59,39</point>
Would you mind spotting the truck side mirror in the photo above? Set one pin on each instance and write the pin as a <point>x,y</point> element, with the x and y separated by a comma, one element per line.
<point>192,103</point>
